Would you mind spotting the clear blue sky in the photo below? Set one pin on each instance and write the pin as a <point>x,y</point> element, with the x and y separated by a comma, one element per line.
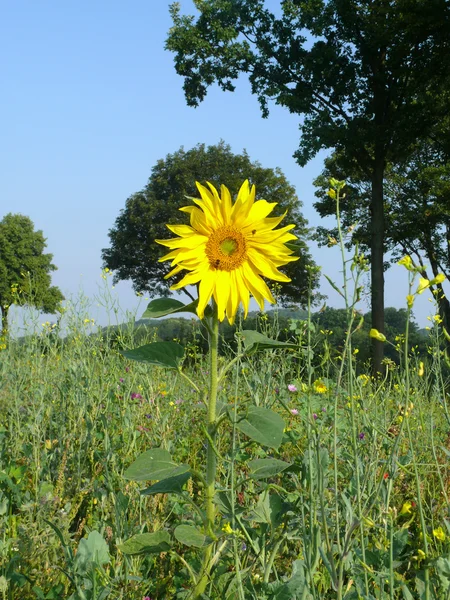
<point>90,101</point>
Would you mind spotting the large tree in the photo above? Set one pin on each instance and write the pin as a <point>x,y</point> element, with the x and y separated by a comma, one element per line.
<point>134,254</point>
<point>417,208</point>
<point>25,268</point>
<point>365,76</point>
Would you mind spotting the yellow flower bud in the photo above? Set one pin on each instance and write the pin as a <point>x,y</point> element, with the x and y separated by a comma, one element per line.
<point>438,279</point>
<point>374,333</point>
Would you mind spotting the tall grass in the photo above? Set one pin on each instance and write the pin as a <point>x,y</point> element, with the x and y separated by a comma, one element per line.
<point>358,508</point>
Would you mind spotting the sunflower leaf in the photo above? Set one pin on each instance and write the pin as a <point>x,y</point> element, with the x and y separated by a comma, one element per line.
<point>254,341</point>
<point>263,426</point>
<point>171,485</point>
<point>191,536</point>
<point>167,306</point>
<point>147,543</point>
<point>262,468</point>
<point>154,464</point>
<point>162,354</point>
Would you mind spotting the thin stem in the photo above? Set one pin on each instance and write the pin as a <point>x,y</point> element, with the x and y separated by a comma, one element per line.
<point>211,462</point>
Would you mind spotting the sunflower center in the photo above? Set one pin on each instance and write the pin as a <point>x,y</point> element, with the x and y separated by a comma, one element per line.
<point>226,249</point>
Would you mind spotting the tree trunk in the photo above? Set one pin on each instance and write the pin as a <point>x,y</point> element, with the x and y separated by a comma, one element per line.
<point>377,268</point>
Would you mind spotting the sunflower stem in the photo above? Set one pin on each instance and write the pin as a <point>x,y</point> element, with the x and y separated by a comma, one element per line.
<point>211,461</point>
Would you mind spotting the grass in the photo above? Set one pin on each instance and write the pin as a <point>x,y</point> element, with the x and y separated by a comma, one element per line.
<point>308,479</point>
<point>360,511</point>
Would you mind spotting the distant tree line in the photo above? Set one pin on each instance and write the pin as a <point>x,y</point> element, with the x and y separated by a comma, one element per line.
<point>329,329</point>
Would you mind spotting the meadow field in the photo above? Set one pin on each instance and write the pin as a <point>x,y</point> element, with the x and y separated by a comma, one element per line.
<point>329,483</point>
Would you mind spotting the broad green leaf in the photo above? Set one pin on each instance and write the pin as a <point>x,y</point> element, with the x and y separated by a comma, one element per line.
<point>92,552</point>
<point>167,306</point>
<point>268,509</point>
<point>266,467</point>
<point>162,354</point>
<point>295,587</point>
<point>254,341</point>
<point>147,543</point>
<point>154,464</point>
<point>170,485</point>
<point>262,425</point>
<point>191,536</point>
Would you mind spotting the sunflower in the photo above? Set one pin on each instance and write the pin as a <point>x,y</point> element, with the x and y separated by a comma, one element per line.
<point>228,248</point>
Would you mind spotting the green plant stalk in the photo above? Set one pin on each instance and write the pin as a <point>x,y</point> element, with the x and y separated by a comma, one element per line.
<point>211,459</point>
<point>312,496</point>
<point>348,347</point>
<point>416,473</point>
<point>237,562</point>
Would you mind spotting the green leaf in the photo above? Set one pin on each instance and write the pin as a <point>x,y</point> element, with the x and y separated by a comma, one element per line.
<point>170,485</point>
<point>191,536</point>
<point>333,285</point>
<point>154,464</point>
<point>147,543</point>
<point>168,306</point>
<point>261,468</point>
<point>254,341</point>
<point>162,354</point>
<point>268,509</point>
<point>262,425</point>
<point>92,552</point>
<point>294,588</point>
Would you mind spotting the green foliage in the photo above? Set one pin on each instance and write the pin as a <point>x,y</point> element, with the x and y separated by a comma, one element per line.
<point>76,417</point>
<point>153,464</point>
<point>24,268</point>
<point>147,543</point>
<point>262,425</point>
<point>134,254</point>
<point>367,79</point>
<point>333,62</point>
<point>163,354</point>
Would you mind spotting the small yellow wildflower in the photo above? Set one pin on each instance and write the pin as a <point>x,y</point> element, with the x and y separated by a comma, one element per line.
<point>226,528</point>
<point>406,508</point>
<point>439,534</point>
<point>421,369</point>
<point>421,554</point>
<point>332,194</point>
<point>437,319</point>
<point>423,285</point>
<point>438,279</point>
<point>320,387</point>
<point>364,379</point>
<point>374,333</point>
<point>406,261</point>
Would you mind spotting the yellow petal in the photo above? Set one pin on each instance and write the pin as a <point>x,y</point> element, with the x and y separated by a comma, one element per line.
<point>205,291</point>
<point>222,292</point>
<point>258,212</point>
<point>265,267</point>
